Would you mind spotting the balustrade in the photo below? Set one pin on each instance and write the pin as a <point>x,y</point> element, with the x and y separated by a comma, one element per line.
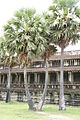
<point>41,86</point>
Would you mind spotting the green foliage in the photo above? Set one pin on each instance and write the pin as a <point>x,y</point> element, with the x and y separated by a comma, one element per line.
<point>65,3</point>
<point>77,12</point>
<point>2,49</point>
<point>25,35</point>
<point>64,22</point>
<point>7,52</point>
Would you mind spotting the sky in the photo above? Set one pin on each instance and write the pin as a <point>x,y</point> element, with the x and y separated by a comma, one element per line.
<point>8,7</point>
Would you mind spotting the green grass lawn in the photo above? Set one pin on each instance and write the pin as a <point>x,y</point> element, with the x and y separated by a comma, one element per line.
<point>19,111</point>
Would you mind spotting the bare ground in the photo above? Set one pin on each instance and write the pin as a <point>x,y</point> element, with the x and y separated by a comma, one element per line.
<point>55,117</point>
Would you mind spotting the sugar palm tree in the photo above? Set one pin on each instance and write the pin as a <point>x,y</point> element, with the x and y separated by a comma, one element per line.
<point>24,30</point>
<point>49,50</point>
<point>64,29</point>
<point>8,58</point>
<point>10,62</point>
<point>32,47</point>
<point>18,31</point>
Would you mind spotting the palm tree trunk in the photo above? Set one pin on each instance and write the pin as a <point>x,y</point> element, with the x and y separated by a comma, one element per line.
<point>61,98</point>
<point>8,86</point>
<point>39,108</point>
<point>29,99</point>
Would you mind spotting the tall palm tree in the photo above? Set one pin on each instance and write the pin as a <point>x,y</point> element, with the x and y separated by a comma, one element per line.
<point>24,60</point>
<point>64,29</point>
<point>49,50</point>
<point>23,31</point>
<point>10,63</point>
<point>3,59</point>
<point>32,44</point>
<point>18,32</point>
<point>7,57</point>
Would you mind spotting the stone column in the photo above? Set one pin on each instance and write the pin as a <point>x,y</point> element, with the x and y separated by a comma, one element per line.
<point>48,78</point>
<point>58,77</point>
<point>70,77</point>
<point>35,78</point>
<point>19,79</point>
<point>3,78</point>
<point>70,62</point>
<point>16,78</point>
<point>50,64</point>
<point>38,78</point>
<point>75,62</point>
<point>28,78</point>
<point>0,78</point>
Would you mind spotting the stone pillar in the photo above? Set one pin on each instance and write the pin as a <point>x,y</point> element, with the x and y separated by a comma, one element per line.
<point>35,78</point>
<point>48,78</point>
<point>75,62</point>
<point>28,78</point>
<point>57,77</point>
<point>3,78</point>
<point>19,79</point>
<point>70,62</point>
<point>0,78</point>
<point>16,78</point>
<point>38,78</point>
<point>50,64</point>
<point>70,77</point>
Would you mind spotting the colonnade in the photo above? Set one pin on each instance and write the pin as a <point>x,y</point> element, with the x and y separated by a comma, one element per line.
<point>19,78</point>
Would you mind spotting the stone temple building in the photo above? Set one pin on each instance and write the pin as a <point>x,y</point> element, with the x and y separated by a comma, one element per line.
<point>36,79</point>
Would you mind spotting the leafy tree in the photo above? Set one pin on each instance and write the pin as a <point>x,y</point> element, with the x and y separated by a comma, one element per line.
<point>8,58</point>
<point>18,31</point>
<point>64,27</point>
<point>47,50</point>
<point>24,32</point>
